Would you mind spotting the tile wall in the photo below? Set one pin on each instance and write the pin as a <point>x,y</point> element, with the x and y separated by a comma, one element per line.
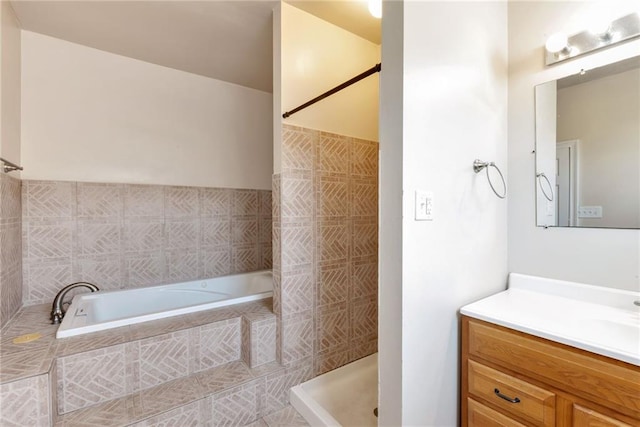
<point>325,248</point>
<point>10,247</point>
<point>125,235</point>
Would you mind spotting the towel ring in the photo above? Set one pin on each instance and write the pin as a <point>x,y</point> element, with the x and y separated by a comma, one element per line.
<point>546,196</point>
<point>478,165</point>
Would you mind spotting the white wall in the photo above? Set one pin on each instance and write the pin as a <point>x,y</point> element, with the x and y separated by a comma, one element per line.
<point>317,56</point>
<point>594,256</point>
<point>454,111</point>
<point>89,115</point>
<point>9,85</point>
<point>545,101</point>
<point>604,114</point>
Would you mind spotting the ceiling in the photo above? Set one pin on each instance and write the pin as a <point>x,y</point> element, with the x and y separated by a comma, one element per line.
<point>225,40</point>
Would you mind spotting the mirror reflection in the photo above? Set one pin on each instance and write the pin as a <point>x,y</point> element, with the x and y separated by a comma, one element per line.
<point>588,148</point>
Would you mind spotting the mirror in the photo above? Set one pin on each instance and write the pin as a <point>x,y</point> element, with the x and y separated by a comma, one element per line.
<point>588,148</point>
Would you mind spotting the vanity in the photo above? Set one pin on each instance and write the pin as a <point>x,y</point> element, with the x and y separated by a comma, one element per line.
<point>551,353</point>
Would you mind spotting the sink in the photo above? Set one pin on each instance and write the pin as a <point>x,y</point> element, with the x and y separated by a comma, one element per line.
<point>602,320</point>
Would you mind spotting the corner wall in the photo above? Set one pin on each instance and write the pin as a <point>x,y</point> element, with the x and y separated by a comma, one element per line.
<point>574,254</point>
<point>454,89</point>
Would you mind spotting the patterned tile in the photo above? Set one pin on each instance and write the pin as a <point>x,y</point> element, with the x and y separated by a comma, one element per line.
<point>44,280</point>
<point>297,291</point>
<point>333,153</point>
<point>297,148</point>
<point>25,402</point>
<point>297,197</point>
<point>114,413</point>
<point>244,230</point>
<point>49,199</point>
<point>333,241</point>
<point>264,202</point>
<point>145,268</point>
<point>332,285</point>
<point>297,246</point>
<point>364,198</point>
<point>364,239</point>
<point>245,202</point>
<point>11,195</point>
<point>182,265</point>
<point>258,423</point>
<point>181,202</point>
<point>298,336</point>
<point>143,201</point>
<point>275,196</point>
<point>159,327</point>
<point>166,397</point>
<point>364,278</point>
<point>143,235</point>
<point>265,226</point>
<point>215,262</point>
<point>222,377</point>
<point>364,158</point>
<point>182,234</point>
<point>215,202</point>
<point>364,318</point>
<point>49,240</point>
<point>216,231</point>
<point>238,406</point>
<point>328,361</point>
<point>184,416</point>
<point>219,343</point>
<point>90,378</point>
<point>264,343</point>
<point>94,341</point>
<point>332,328</point>
<point>286,417</point>
<point>362,347</point>
<point>266,256</point>
<point>163,358</point>
<point>245,258</point>
<point>100,200</point>
<point>332,197</point>
<point>98,238</point>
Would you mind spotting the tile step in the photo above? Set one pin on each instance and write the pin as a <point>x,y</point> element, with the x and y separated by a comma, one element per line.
<point>231,394</point>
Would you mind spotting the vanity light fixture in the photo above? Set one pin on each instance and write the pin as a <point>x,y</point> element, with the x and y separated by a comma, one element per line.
<point>559,47</point>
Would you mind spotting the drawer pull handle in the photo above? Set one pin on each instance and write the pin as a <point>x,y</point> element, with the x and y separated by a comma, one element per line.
<point>507,398</point>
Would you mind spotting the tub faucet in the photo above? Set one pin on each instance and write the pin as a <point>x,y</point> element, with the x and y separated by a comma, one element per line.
<point>56,311</point>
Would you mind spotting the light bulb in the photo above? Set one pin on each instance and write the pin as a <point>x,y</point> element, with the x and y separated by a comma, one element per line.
<point>557,42</point>
<point>375,8</point>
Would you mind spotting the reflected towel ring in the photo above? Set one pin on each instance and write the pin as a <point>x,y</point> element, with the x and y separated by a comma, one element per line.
<point>546,196</point>
<point>478,165</point>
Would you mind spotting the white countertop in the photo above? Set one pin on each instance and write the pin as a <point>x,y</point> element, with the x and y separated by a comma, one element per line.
<point>602,320</point>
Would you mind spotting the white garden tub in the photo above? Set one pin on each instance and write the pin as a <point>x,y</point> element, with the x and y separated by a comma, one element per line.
<point>97,311</point>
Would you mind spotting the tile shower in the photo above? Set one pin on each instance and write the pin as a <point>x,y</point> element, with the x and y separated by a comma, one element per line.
<point>325,249</point>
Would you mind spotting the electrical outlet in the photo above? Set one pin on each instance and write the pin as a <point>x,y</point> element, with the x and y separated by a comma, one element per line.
<point>590,212</point>
<point>424,205</point>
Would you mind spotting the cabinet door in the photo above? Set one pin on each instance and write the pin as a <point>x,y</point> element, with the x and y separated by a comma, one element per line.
<point>584,417</point>
<point>482,416</point>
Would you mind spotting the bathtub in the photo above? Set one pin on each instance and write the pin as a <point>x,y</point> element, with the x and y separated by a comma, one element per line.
<point>98,311</point>
<point>343,397</point>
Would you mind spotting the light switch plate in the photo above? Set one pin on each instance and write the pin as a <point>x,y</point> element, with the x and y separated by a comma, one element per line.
<point>424,205</point>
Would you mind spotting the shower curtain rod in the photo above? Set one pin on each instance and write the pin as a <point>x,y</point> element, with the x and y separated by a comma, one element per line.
<point>372,70</point>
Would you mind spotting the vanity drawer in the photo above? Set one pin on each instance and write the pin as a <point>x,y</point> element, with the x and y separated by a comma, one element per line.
<point>598,379</point>
<point>584,417</point>
<point>482,416</point>
<point>519,398</point>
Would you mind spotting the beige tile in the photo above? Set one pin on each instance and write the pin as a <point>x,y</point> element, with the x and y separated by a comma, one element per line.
<point>332,328</point>
<point>332,196</point>
<point>297,246</point>
<point>364,158</point>
<point>25,402</point>
<point>91,377</point>
<point>364,198</point>
<point>181,202</point>
<point>143,234</point>
<point>97,200</point>
<point>93,341</point>
<point>332,285</point>
<point>332,241</point>
<point>215,202</point>
<point>245,258</point>
<point>215,261</point>
<point>245,202</point>
<point>330,360</point>
<point>182,265</point>
<point>286,417</point>
<point>115,413</point>
<point>238,406</point>
<point>298,336</point>
<point>166,396</point>
<point>216,231</point>
<point>49,199</point>
<point>162,359</point>
<point>297,148</point>
<point>244,231</point>
<point>297,196</point>
<point>224,377</point>
<point>143,200</point>
<point>264,201</point>
<point>333,153</point>
<point>217,344</point>
<point>297,291</point>
<point>24,364</point>
<point>184,416</point>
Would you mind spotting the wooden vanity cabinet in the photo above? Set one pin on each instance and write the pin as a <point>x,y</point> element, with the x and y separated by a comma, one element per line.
<point>512,379</point>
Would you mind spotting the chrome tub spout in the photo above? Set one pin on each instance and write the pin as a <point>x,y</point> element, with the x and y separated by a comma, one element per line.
<point>57,313</point>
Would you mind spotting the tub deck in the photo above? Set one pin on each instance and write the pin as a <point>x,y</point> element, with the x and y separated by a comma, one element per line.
<point>34,363</point>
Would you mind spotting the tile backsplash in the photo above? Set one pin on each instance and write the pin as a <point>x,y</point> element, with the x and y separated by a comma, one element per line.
<point>128,235</point>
